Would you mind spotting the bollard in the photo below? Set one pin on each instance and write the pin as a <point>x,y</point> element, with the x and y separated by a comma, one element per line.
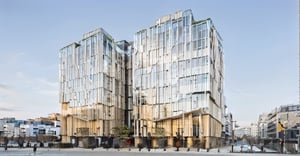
<point>232,148</point>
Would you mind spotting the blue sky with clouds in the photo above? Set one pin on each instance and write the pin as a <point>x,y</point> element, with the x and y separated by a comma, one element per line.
<point>260,44</point>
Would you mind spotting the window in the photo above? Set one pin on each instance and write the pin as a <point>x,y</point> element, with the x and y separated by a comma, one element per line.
<point>180,32</point>
<point>203,61</point>
<point>174,70</point>
<point>188,67</point>
<point>194,33</point>
<point>188,47</point>
<point>182,82</point>
<point>195,101</point>
<point>174,37</point>
<point>187,33</point>
<point>196,126</point>
<point>182,67</point>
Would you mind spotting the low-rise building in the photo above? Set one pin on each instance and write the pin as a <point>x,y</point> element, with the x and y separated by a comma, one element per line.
<point>228,127</point>
<point>31,129</point>
<point>253,130</point>
<point>242,131</point>
<point>288,116</point>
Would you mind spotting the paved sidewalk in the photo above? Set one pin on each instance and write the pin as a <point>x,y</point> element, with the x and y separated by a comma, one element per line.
<point>225,149</point>
<point>222,150</point>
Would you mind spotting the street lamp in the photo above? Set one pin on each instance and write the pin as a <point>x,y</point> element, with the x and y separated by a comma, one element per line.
<point>232,134</point>
<point>298,139</point>
<point>232,131</point>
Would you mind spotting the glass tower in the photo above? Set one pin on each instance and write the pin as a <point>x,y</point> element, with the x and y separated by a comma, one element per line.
<point>178,79</point>
<point>92,85</point>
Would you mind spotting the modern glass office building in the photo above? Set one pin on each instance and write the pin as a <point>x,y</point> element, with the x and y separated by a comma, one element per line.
<point>92,87</point>
<point>178,74</point>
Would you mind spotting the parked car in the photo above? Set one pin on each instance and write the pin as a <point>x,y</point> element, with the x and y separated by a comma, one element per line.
<point>12,144</point>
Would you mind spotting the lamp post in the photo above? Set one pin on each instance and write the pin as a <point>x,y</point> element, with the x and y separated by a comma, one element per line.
<point>232,134</point>
<point>232,131</point>
<point>284,133</point>
<point>298,139</point>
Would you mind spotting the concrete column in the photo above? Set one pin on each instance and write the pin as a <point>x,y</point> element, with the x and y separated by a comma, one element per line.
<point>64,129</point>
<point>207,143</point>
<point>101,126</point>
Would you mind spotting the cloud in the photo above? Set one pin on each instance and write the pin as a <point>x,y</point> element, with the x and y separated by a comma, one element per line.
<point>5,109</point>
<point>2,86</point>
<point>49,92</point>
<point>46,87</point>
<point>47,83</point>
<point>6,90</point>
<point>12,58</point>
<point>20,75</point>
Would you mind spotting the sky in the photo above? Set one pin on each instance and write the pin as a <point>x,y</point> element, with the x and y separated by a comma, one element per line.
<point>260,40</point>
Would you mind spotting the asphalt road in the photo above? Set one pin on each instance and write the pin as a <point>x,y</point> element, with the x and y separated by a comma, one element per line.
<point>112,152</point>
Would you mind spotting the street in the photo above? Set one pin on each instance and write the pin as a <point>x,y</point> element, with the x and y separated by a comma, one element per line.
<point>114,152</point>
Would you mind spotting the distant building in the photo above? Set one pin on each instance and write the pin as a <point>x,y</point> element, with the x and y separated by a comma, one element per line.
<point>246,131</point>
<point>228,126</point>
<point>9,129</point>
<point>2,122</point>
<point>262,126</point>
<point>253,130</point>
<point>288,115</point>
<point>242,131</point>
<point>32,129</point>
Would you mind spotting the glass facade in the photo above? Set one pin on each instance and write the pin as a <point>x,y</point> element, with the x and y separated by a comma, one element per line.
<point>178,65</point>
<point>92,83</point>
<point>172,68</point>
<point>178,71</point>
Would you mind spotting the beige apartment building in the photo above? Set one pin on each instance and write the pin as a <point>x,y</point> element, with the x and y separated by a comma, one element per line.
<point>178,73</point>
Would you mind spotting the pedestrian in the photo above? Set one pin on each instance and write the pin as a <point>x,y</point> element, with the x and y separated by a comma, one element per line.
<point>129,144</point>
<point>34,148</point>
<point>177,144</point>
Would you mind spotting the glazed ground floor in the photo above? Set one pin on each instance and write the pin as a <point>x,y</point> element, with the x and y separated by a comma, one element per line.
<point>190,129</point>
<point>87,122</point>
<point>187,129</point>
